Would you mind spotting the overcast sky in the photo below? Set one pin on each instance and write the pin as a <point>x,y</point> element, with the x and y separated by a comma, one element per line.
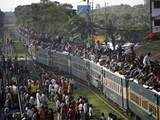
<point>9,5</point>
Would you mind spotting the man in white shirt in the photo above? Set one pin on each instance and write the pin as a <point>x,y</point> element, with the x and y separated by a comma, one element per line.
<point>44,99</point>
<point>50,88</point>
<point>85,107</point>
<point>29,113</point>
<point>90,111</point>
<point>147,60</point>
<point>57,104</point>
<point>38,100</point>
<point>56,87</point>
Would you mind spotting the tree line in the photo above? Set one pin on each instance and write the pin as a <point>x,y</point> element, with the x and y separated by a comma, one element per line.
<point>121,21</point>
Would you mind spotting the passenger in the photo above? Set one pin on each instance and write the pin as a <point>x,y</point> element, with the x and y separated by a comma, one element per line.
<point>44,99</point>
<point>147,60</point>
<point>85,109</point>
<point>90,111</point>
<point>103,117</point>
<point>29,113</point>
<point>38,99</point>
<point>42,115</point>
<point>32,101</point>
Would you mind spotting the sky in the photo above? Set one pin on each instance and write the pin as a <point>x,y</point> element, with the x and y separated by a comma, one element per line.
<point>9,5</point>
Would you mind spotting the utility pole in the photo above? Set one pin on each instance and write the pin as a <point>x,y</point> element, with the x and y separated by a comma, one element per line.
<point>105,13</point>
<point>150,8</point>
<point>90,18</point>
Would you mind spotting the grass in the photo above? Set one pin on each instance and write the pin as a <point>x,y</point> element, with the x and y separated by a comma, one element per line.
<point>19,50</point>
<point>98,105</point>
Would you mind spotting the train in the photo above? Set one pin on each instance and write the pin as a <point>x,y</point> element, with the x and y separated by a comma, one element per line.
<point>127,94</point>
<point>143,103</point>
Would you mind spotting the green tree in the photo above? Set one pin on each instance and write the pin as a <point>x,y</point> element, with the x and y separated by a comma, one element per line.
<point>50,17</point>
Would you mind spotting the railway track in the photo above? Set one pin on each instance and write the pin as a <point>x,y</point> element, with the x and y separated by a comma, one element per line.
<point>103,99</point>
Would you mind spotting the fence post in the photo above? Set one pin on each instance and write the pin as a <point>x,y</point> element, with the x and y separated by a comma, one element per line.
<point>127,94</point>
<point>102,86</point>
<point>69,65</point>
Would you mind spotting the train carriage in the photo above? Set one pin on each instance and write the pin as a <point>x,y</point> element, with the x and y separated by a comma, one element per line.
<point>60,60</point>
<point>95,75</point>
<point>114,88</point>
<point>43,56</point>
<point>78,67</point>
<point>144,102</point>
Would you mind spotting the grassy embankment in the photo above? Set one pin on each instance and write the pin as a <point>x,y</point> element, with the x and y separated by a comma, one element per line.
<point>99,105</point>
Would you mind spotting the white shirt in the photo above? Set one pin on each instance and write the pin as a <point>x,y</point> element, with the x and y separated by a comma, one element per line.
<point>92,57</point>
<point>29,113</point>
<point>56,87</point>
<point>146,60</point>
<point>50,88</point>
<point>80,107</point>
<point>67,99</point>
<point>43,99</point>
<point>31,101</point>
<point>85,107</point>
<point>14,88</point>
<point>53,81</point>
<point>90,111</point>
<point>38,100</point>
<point>57,104</point>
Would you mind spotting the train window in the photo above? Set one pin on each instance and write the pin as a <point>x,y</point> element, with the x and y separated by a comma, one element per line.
<point>106,82</point>
<point>118,89</point>
<point>109,83</point>
<point>113,86</point>
<point>135,98</point>
<point>152,109</point>
<point>145,104</point>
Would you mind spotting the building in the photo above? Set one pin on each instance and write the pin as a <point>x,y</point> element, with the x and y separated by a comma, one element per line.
<point>155,15</point>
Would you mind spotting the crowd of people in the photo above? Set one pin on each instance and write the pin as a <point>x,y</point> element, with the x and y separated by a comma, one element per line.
<point>27,99</point>
<point>57,88</point>
<point>141,68</point>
